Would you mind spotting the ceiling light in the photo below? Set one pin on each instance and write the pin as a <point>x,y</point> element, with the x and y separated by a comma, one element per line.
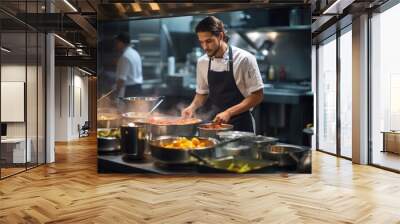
<point>70,5</point>
<point>5,50</point>
<point>136,7</point>
<point>154,6</point>
<point>120,7</point>
<point>65,41</point>
<point>337,7</point>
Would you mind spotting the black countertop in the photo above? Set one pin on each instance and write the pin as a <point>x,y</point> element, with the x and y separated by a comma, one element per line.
<point>116,163</point>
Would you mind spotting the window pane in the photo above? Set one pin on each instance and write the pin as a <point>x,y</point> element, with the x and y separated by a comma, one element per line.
<point>346,94</point>
<point>327,97</point>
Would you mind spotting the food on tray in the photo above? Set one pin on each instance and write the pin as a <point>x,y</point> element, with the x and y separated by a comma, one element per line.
<point>109,132</point>
<point>185,143</point>
<point>239,168</point>
<point>172,121</point>
<point>238,165</point>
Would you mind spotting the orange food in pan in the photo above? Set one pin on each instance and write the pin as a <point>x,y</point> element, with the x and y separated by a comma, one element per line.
<point>185,143</point>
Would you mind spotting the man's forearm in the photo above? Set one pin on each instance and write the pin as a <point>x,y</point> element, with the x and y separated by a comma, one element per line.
<point>198,101</point>
<point>119,88</point>
<point>249,102</point>
<point>120,84</point>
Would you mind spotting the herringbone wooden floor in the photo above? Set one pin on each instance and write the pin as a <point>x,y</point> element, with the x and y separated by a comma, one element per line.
<point>71,191</point>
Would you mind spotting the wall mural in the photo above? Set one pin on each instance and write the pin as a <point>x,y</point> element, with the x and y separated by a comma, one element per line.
<point>204,88</point>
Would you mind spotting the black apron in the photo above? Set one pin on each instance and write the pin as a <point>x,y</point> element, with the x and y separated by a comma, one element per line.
<point>224,94</point>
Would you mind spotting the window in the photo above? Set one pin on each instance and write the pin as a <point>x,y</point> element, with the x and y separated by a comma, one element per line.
<point>385,88</point>
<point>22,76</point>
<point>346,93</point>
<point>327,96</point>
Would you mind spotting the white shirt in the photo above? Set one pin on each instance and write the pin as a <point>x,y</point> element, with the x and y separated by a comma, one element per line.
<point>245,71</point>
<point>129,67</point>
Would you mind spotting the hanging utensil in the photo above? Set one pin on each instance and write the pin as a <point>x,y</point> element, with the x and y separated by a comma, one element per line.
<point>106,95</point>
<point>155,107</point>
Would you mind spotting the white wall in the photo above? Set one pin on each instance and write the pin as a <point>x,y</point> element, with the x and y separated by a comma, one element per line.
<point>61,104</point>
<point>71,102</point>
<point>33,127</point>
<point>12,73</point>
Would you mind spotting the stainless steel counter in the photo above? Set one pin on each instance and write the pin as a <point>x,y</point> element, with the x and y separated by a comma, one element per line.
<point>272,94</point>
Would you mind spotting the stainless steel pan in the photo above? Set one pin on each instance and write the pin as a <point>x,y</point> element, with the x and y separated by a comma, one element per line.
<point>178,156</point>
<point>285,154</point>
<point>155,129</point>
<point>205,131</point>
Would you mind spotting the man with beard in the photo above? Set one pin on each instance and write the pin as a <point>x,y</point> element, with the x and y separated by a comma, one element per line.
<point>227,76</point>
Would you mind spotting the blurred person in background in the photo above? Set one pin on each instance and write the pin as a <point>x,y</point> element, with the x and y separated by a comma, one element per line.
<point>129,76</point>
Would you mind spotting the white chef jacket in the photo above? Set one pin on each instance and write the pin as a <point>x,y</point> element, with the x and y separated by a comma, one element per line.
<point>245,71</point>
<point>129,67</point>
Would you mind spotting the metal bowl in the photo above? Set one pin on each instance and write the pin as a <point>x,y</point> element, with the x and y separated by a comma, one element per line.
<point>237,164</point>
<point>135,117</point>
<point>108,139</point>
<point>108,120</point>
<point>261,141</point>
<point>204,131</point>
<point>176,156</point>
<point>108,144</point>
<point>156,130</point>
<point>237,147</point>
<point>231,135</point>
<point>285,154</point>
<point>108,132</point>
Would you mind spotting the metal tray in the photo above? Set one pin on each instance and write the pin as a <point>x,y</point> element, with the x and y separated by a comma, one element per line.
<point>236,164</point>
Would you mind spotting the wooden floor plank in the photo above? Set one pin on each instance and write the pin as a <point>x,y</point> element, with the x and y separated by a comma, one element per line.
<point>71,191</point>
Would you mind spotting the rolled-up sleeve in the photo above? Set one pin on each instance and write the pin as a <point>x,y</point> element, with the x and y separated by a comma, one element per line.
<point>201,79</point>
<point>252,77</point>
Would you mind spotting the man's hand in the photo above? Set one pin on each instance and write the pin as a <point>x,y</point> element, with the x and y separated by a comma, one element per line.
<point>223,117</point>
<point>187,112</point>
<point>197,102</point>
